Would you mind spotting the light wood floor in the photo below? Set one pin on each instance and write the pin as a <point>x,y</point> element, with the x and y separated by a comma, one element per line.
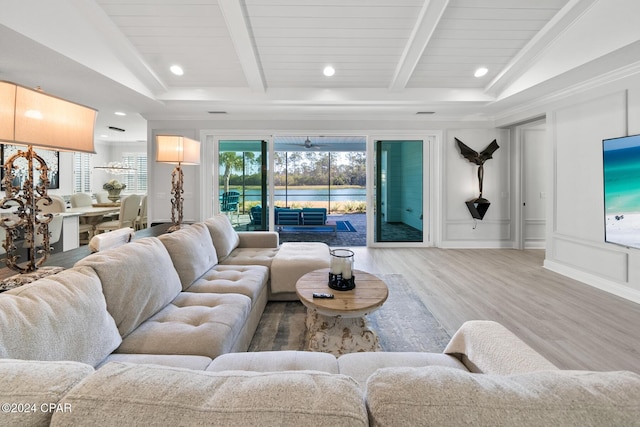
<point>573,325</point>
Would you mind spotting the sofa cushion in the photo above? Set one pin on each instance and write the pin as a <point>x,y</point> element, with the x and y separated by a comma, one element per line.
<point>193,324</point>
<point>444,396</point>
<point>192,252</point>
<point>294,260</point>
<point>224,237</point>
<point>360,366</point>
<point>121,394</point>
<point>258,239</point>
<point>138,280</point>
<point>251,256</point>
<point>274,361</point>
<point>60,317</point>
<point>247,280</point>
<point>33,389</point>
<point>172,360</point>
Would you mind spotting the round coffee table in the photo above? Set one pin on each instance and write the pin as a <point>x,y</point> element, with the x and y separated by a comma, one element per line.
<point>338,325</point>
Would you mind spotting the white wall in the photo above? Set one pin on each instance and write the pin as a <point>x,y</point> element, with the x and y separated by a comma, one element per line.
<point>460,184</point>
<point>575,230</point>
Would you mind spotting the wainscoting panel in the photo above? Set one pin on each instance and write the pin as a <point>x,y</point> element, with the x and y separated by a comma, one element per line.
<point>535,233</point>
<point>479,231</point>
<point>602,262</point>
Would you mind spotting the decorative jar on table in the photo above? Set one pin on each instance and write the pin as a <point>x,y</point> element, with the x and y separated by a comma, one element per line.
<point>341,277</point>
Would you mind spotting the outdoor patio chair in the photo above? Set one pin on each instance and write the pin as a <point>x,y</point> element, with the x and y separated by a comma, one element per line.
<point>255,215</point>
<point>314,216</point>
<point>288,216</point>
<point>229,204</point>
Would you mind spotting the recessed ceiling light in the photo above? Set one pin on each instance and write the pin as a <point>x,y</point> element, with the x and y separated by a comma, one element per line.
<point>481,72</point>
<point>329,71</point>
<point>120,113</point>
<point>177,70</point>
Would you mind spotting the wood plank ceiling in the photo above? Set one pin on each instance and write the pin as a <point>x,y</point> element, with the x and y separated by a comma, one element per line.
<point>390,44</point>
<point>263,59</point>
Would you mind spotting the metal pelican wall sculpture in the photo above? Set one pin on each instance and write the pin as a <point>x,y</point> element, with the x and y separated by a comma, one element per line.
<point>478,206</point>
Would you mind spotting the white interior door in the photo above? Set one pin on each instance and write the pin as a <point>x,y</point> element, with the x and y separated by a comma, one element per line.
<point>533,187</point>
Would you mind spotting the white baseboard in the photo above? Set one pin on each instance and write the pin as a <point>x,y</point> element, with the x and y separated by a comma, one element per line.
<point>476,244</point>
<point>595,281</point>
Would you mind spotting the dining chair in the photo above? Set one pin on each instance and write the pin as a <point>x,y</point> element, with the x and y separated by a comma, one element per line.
<point>55,231</point>
<point>85,229</point>
<point>57,205</point>
<point>103,197</point>
<point>79,200</point>
<point>129,207</point>
<point>141,219</point>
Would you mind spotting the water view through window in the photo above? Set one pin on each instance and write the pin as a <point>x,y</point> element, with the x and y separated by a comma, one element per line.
<point>335,180</point>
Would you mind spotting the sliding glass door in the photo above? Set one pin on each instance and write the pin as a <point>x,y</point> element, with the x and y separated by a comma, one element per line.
<point>242,182</point>
<point>399,204</point>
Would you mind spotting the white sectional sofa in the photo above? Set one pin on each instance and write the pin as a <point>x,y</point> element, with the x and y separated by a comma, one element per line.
<point>155,332</point>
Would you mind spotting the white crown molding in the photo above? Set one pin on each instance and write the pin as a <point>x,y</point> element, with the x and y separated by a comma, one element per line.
<point>589,77</point>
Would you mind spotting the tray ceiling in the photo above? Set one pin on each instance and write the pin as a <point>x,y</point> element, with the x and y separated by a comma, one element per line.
<point>264,58</point>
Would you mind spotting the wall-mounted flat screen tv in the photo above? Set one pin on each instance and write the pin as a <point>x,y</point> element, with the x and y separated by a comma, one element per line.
<point>621,163</point>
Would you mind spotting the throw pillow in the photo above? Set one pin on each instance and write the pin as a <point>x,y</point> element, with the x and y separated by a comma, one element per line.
<point>138,280</point>
<point>60,317</point>
<point>225,238</point>
<point>192,252</point>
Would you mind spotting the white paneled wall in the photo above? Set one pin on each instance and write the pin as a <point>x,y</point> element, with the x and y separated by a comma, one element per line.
<point>461,184</point>
<point>575,244</point>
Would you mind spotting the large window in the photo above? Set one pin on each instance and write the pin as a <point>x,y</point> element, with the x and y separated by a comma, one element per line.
<point>136,182</point>
<point>326,179</point>
<point>82,173</point>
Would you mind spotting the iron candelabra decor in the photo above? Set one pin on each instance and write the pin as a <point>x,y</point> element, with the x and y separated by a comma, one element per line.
<point>33,118</point>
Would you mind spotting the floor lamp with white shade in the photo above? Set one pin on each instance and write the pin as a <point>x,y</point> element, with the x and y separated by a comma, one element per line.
<point>34,119</point>
<point>180,151</point>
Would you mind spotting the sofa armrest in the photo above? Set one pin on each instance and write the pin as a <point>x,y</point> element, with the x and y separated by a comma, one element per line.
<point>258,239</point>
<point>490,348</point>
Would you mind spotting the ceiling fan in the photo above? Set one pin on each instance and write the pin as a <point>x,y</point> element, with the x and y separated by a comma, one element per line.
<point>309,145</point>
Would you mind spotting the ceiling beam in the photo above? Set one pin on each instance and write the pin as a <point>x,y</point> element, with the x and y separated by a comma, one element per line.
<point>240,32</point>
<point>521,62</point>
<point>427,21</point>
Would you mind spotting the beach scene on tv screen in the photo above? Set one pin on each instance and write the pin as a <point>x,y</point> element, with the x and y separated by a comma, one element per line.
<point>621,161</point>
